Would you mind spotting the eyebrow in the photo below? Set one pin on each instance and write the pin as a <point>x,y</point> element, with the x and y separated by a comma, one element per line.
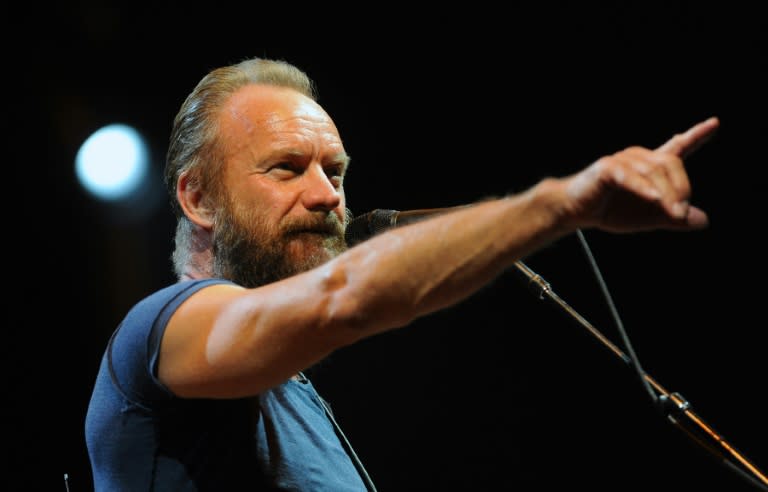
<point>341,157</point>
<point>344,158</point>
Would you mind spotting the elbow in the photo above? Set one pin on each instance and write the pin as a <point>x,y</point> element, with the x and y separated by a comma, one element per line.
<point>354,309</point>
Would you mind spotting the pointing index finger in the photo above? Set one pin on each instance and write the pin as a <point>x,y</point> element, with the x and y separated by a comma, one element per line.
<point>684,144</point>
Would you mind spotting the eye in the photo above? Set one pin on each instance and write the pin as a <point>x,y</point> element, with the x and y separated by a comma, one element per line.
<point>285,169</point>
<point>335,174</point>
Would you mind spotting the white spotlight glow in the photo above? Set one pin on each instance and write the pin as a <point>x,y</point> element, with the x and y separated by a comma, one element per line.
<point>112,163</point>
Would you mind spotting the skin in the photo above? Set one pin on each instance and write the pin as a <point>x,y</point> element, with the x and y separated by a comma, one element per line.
<point>286,162</point>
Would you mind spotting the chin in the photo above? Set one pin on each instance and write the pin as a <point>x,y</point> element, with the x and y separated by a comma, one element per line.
<point>311,252</point>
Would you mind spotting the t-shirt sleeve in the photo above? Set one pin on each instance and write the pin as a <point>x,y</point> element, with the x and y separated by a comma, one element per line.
<point>134,348</point>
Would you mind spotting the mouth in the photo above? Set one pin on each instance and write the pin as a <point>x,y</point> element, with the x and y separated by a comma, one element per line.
<point>326,228</point>
<point>316,231</point>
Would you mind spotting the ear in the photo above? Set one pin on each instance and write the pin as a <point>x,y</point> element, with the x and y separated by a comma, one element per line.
<point>194,202</point>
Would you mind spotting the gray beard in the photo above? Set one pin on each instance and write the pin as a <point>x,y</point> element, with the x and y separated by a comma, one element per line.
<point>250,253</point>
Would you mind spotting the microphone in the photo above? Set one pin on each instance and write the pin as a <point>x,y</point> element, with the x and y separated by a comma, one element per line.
<point>379,220</point>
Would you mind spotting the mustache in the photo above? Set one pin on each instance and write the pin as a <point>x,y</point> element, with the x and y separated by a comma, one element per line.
<point>324,223</point>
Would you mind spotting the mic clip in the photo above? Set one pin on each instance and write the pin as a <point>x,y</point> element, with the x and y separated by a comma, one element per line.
<point>672,405</point>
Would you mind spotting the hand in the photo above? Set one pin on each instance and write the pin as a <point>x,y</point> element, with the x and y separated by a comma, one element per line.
<point>640,189</point>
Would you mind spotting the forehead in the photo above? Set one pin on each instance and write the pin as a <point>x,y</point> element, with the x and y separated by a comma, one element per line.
<point>265,108</point>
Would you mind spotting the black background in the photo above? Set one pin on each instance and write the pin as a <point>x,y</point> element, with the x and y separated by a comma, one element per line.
<point>436,108</point>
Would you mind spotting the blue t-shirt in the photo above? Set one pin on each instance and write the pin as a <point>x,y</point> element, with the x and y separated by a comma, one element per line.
<point>141,437</point>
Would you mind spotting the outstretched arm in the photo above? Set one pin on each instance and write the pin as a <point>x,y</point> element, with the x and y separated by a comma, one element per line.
<point>227,341</point>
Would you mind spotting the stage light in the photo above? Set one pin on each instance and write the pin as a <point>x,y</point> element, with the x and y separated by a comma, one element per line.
<point>112,163</point>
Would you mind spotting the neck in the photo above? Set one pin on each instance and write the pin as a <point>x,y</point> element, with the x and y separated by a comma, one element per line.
<point>199,261</point>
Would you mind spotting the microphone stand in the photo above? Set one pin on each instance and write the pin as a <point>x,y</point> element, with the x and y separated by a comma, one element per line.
<point>674,407</point>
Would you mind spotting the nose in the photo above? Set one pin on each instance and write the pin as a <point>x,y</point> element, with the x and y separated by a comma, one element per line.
<point>321,191</point>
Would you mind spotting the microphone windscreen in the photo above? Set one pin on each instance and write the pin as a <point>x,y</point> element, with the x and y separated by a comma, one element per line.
<point>364,226</point>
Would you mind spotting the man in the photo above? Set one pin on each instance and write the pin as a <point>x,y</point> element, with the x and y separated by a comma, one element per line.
<point>201,386</point>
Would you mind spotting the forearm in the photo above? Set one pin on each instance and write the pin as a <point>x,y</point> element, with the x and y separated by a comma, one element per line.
<point>414,270</point>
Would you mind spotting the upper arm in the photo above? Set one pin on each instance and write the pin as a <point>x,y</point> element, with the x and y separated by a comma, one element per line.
<point>227,341</point>
<point>183,365</point>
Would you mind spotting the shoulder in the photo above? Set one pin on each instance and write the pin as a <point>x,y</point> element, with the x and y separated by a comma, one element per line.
<point>173,295</point>
<point>156,308</point>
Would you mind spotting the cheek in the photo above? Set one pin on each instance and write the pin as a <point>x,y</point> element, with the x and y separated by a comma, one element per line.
<point>266,197</point>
